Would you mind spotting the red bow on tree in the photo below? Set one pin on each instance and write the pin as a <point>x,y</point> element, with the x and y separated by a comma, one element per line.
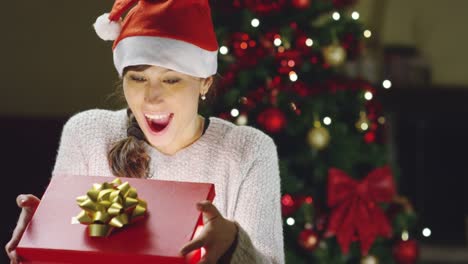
<point>355,214</point>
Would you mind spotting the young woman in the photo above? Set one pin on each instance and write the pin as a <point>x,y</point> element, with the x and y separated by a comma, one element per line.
<point>166,55</point>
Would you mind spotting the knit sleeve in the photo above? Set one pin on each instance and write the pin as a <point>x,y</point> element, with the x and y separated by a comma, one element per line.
<point>70,156</point>
<point>258,210</point>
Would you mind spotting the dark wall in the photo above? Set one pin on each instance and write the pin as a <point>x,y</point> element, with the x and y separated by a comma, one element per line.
<point>29,147</point>
<point>430,138</point>
<point>53,63</point>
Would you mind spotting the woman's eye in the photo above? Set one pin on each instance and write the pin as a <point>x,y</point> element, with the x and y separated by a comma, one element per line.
<point>171,81</point>
<point>137,78</point>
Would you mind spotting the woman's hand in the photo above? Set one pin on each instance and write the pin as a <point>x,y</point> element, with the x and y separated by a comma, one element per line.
<point>217,236</point>
<point>28,203</point>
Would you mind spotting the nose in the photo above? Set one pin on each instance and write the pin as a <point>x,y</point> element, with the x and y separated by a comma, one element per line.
<point>154,93</point>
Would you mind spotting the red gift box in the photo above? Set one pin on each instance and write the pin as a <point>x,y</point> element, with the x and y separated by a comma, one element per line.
<point>170,222</point>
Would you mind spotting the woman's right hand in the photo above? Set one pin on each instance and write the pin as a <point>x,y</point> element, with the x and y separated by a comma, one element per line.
<point>28,203</point>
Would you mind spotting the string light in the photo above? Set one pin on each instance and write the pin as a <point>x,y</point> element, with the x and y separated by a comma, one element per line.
<point>290,221</point>
<point>355,15</point>
<point>369,259</point>
<point>309,42</point>
<point>381,120</point>
<point>242,120</point>
<point>223,50</point>
<point>387,84</point>
<point>291,63</point>
<point>367,33</point>
<point>336,16</point>
<point>281,49</point>
<point>368,96</point>
<point>426,232</point>
<point>323,245</point>
<point>244,45</point>
<point>293,106</point>
<point>308,226</point>
<point>293,76</point>
<point>364,126</point>
<point>277,42</point>
<point>404,235</point>
<point>234,112</point>
<point>255,22</point>
<point>327,120</point>
<point>363,123</point>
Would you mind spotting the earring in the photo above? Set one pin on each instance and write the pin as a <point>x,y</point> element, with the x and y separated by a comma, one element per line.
<point>203,97</point>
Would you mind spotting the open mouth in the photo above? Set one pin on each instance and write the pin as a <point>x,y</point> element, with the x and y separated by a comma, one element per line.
<point>159,123</point>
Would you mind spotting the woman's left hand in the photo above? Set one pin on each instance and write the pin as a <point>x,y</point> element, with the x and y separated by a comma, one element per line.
<point>217,235</point>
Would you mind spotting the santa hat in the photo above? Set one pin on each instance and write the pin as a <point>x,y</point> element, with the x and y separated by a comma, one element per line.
<point>174,34</point>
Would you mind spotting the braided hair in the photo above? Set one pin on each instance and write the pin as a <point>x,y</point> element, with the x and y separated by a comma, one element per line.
<point>128,157</point>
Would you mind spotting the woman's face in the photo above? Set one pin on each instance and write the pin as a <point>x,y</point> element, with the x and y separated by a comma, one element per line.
<point>165,105</point>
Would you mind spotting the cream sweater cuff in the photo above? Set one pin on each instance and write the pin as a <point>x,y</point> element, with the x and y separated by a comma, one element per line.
<point>244,251</point>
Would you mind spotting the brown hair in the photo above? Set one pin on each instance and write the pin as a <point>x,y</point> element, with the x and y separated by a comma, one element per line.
<point>128,157</point>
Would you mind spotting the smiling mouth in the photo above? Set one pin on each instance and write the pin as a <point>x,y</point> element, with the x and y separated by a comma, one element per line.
<point>158,123</point>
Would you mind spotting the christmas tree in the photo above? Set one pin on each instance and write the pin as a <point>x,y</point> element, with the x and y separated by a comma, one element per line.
<point>282,67</point>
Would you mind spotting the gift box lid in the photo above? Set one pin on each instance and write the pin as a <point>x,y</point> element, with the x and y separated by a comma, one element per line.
<point>170,222</point>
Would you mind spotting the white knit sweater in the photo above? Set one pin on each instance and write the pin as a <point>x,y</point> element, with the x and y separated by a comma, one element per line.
<point>240,161</point>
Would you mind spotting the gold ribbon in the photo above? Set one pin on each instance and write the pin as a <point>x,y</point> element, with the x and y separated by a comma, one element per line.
<point>109,205</point>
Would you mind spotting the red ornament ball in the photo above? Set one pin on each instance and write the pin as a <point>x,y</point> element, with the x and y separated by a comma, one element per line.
<point>289,204</point>
<point>272,119</point>
<point>308,239</point>
<point>406,252</point>
<point>301,4</point>
<point>369,137</point>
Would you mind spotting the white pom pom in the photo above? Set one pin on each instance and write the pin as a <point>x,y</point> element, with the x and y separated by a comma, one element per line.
<point>106,29</point>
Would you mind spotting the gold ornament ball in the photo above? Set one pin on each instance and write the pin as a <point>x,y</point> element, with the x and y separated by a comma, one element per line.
<point>363,122</point>
<point>369,259</point>
<point>335,55</point>
<point>242,120</point>
<point>318,137</point>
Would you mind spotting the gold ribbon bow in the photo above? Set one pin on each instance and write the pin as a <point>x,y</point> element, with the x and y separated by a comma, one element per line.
<point>109,205</point>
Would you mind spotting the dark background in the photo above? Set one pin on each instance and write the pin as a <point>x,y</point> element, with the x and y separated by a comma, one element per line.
<point>430,129</point>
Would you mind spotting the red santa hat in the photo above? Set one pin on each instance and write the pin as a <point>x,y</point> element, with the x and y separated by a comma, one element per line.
<point>175,34</point>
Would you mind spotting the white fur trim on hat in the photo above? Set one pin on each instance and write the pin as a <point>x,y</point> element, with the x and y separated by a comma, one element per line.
<point>107,29</point>
<point>169,53</point>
